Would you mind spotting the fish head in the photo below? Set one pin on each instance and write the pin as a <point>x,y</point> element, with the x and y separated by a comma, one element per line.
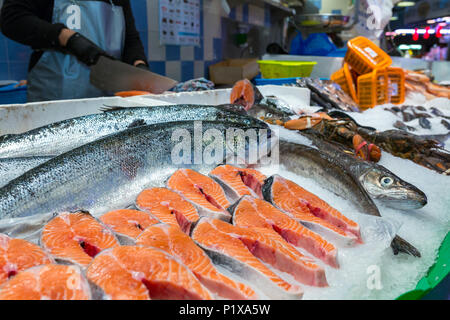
<point>392,191</point>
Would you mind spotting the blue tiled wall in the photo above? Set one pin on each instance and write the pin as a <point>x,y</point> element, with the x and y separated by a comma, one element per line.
<point>13,60</point>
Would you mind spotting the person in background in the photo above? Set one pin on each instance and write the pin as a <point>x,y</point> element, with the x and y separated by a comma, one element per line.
<point>67,37</point>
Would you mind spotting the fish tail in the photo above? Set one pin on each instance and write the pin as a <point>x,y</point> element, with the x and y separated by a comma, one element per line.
<point>400,245</point>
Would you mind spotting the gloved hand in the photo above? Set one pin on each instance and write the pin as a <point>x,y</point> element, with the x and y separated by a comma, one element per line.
<point>85,50</point>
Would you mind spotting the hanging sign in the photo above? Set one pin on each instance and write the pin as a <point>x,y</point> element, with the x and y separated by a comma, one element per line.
<point>179,22</point>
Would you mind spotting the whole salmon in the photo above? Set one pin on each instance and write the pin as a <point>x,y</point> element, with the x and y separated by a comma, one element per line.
<point>109,173</point>
<point>59,137</point>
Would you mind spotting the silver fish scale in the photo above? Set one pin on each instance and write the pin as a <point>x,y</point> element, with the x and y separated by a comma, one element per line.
<point>60,137</point>
<point>11,168</point>
<point>104,175</point>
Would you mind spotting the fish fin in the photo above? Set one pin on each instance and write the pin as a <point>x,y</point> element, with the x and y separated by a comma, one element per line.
<point>106,108</point>
<point>80,210</point>
<point>233,108</point>
<point>400,245</point>
<point>267,189</point>
<point>137,123</point>
<point>233,207</point>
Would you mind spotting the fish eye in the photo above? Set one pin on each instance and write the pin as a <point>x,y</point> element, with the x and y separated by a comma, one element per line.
<point>386,181</point>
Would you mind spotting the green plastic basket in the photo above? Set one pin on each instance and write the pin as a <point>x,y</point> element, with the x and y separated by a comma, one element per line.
<point>272,69</point>
<point>435,274</point>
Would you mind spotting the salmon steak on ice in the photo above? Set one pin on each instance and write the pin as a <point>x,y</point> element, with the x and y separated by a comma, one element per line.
<point>202,191</point>
<point>47,282</point>
<point>238,182</point>
<point>310,210</point>
<point>250,212</point>
<point>178,244</point>
<point>17,255</point>
<point>144,273</point>
<point>168,207</point>
<point>238,250</point>
<point>76,238</point>
<point>127,224</point>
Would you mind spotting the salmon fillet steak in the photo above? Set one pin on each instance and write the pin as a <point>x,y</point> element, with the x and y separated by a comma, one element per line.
<point>47,282</point>
<point>250,212</point>
<point>17,255</point>
<point>237,250</point>
<point>76,238</point>
<point>244,93</point>
<point>176,243</point>
<point>310,210</point>
<point>127,224</point>
<point>238,182</point>
<point>168,207</point>
<point>202,191</point>
<point>143,273</point>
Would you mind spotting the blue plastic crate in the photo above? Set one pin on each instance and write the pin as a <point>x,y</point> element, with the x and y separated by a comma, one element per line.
<point>11,94</point>
<point>280,81</point>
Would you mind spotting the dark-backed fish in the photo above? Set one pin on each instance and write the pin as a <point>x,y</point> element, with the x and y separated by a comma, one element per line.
<point>109,173</point>
<point>59,137</point>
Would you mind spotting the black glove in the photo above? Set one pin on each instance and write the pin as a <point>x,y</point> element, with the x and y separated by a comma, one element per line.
<point>143,66</point>
<point>84,49</point>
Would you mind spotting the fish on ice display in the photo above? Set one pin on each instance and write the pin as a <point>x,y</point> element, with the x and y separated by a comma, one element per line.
<point>163,230</point>
<point>168,207</point>
<point>178,244</point>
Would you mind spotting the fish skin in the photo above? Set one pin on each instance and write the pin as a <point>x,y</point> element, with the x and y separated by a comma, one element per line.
<point>398,195</point>
<point>272,108</point>
<point>17,255</point>
<point>11,168</point>
<point>63,236</point>
<point>250,212</point>
<point>252,269</point>
<point>237,182</point>
<point>178,244</point>
<point>168,207</point>
<point>143,273</point>
<point>311,211</point>
<point>59,137</point>
<point>445,124</point>
<point>345,175</point>
<point>109,173</point>
<point>315,164</point>
<point>48,282</point>
<point>202,192</point>
<point>425,123</point>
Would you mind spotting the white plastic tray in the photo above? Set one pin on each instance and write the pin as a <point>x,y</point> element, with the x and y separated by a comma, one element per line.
<point>20,118</point>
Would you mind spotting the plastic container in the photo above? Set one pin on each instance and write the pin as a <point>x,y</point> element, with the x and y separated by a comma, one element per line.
<point>364,56</point>
<point>279,82</point>
<point>435,275</point>
<point>373,89</point>
<point>271,69</point>
<point>12,94</point>
<point>344,78</point>
<point>396,85</point>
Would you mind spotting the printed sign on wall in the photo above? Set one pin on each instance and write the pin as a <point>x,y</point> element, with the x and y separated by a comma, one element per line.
<point>179,22</point>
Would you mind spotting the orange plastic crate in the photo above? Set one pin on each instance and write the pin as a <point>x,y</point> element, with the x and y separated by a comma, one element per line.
<point>396,85</point>
<point>373,89</point>
<point>343,77</point>
<point>364,56</point>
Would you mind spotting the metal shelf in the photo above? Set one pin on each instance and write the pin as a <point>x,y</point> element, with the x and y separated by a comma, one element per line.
<point>274,4</point>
